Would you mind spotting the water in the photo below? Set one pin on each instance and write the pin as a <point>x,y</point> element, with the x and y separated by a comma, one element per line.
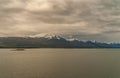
<point>60,63</point>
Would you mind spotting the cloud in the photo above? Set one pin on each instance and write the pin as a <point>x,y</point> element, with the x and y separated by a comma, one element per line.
<point>90,18</point>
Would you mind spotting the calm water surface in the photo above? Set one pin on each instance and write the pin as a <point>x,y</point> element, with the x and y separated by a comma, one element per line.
<point>60,63</point>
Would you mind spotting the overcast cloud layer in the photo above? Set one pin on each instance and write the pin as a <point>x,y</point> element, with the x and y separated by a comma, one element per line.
<point>83,19</point>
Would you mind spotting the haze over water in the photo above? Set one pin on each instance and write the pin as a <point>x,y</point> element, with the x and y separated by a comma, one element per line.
<point>60,63</point>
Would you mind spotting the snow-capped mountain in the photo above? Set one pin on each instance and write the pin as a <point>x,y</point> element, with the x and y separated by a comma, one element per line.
<point>48,36</point>
<point>50,41</point>
<point>52,36</point>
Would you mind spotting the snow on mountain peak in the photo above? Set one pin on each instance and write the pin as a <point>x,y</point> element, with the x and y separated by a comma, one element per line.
<point>72,39</point>
<point>49,36</point>
<point>52,36</point>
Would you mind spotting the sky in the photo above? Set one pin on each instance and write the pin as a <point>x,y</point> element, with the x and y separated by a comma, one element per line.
<point>82,19</point>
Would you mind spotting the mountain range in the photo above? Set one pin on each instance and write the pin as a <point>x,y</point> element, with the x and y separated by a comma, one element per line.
<point>53,41</point>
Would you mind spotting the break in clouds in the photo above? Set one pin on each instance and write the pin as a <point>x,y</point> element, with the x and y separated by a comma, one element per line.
<point>82,19</point>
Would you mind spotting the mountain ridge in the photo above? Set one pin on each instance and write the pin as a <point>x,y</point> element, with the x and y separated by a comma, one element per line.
<point>53,41</point>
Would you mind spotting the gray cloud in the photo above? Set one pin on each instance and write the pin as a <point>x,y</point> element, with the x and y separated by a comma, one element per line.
<point>89,19</point>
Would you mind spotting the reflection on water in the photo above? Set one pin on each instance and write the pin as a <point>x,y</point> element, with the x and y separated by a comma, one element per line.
<point>60,63</point>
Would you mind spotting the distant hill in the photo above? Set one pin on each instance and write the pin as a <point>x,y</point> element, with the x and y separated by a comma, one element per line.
<point>50,42</point>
